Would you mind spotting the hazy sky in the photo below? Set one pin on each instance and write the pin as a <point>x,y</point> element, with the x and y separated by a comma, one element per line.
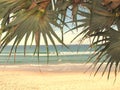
<point>67,39</point>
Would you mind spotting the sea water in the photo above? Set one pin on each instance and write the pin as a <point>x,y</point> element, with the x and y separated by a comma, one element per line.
<point>72,54</point>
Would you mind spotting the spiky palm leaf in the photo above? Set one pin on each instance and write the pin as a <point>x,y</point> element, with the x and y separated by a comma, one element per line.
<point>98,24</point>
<point>28,18</point>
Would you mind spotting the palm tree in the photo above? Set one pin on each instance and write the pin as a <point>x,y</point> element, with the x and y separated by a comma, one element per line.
<point>100,19</point>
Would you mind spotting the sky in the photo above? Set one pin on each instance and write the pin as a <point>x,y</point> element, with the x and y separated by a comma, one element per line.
<point>68,37</point>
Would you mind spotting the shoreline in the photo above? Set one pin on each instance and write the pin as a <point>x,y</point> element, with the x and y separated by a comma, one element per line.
<point>66,67</point>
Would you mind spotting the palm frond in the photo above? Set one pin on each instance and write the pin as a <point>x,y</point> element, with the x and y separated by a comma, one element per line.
<point>32,19</point>
<point>98,24</point>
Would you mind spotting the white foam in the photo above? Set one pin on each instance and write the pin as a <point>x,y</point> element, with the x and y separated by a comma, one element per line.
<point>51,54</point>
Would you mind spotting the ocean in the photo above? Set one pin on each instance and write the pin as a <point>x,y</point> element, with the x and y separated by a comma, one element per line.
<point>75,54</point>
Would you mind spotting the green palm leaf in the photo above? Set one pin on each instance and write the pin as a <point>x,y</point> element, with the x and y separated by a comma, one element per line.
<point>27,21</point>
<point>97,23</point>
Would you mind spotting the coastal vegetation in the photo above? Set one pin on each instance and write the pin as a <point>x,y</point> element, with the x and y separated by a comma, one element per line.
<point>99,20</point>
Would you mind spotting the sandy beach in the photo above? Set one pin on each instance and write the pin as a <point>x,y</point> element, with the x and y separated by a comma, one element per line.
<point>54,77</point>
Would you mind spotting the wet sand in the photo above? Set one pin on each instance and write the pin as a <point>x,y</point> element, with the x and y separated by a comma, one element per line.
<point>54,77</point>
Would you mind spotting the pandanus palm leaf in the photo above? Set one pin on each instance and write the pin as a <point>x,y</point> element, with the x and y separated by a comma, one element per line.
<point>102,26</point>
<point>28,17</point>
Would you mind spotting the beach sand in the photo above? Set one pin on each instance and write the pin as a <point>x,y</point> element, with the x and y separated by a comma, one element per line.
<point>54,77</point>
